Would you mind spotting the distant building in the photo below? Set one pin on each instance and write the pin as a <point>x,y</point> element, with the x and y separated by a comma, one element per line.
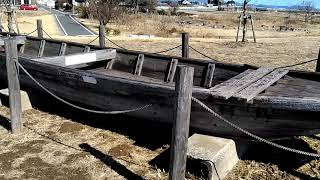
<point>231,3</point>
<point>19,2</point>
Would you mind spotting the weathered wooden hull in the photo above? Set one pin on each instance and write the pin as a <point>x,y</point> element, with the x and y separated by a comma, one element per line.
<point>111,93</point>
<point>266,116</point>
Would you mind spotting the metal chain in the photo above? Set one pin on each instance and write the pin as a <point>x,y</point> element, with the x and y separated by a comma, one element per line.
<point>116,44</point>
<point>76,106</point>
<point>252,135</point>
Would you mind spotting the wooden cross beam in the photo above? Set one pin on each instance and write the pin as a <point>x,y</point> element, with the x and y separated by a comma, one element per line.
<point>79,58</point>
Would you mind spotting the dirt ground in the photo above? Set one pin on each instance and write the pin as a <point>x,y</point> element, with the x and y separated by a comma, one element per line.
<point>60,143</point>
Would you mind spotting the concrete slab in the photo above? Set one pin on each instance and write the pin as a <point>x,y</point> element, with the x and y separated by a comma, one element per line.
<point>25,100</point>
<point>217,155</point>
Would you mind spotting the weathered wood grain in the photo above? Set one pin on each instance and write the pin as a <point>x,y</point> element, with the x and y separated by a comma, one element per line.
<point>63,49</point>
<point>139,65</point>
<point>172,70</point>
<point>41,48</point>
<point>185,45</point>
<point>259,86</point>
<point>181,123</point>
<point>234,85</point>
<point>13,85</point>
<point>209,75</point>
<point>39,28</point>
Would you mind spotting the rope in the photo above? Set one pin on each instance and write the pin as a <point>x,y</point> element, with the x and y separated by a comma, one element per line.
<point>167,50</point>
<point>78,107</point>
<point>116,44</point>
<point>298,64</point>
<point>158,52</point>
<point>47,33</point>
<point>93,40</point>
<point>252,135</point>
<point>31,32</point>
<point>201,53</point>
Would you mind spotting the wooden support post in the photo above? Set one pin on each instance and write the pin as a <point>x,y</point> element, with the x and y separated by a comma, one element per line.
<point>239,25</point>
<point>39,28</point>
<point>102,32</point>
<point>180,131</point>
<point>63,48</point>
<point>139,64</point>
<point>172,70</point>
<point>185,45</point>
<point>318,63</point>
<point>253,32</point>
<point>13,85</point>
<point>41,48</point>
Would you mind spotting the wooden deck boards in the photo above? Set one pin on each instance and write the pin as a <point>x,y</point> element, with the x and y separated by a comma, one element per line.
<point>259,86</point>
<point>234,85</point>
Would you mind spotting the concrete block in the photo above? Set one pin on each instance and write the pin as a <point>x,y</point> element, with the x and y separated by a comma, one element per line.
<point>217,155</point>
<point>25,100</point>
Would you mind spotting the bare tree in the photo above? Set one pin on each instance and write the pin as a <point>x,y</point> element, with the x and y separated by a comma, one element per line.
<point>308,7</point>
<point>104,10</point>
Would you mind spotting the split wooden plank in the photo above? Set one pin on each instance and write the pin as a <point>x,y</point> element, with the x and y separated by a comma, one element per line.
<point>235,85</point>
<point>139,64</point>
<point>239,76</point>
<point>79,58</point>
<point>209,75</point>
<point>172,70</point>
<point>41,48</point>
<point>259,86</point>
<point>63,49</point>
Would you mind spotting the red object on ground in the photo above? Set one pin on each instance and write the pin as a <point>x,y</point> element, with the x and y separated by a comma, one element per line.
<point>28,7</point>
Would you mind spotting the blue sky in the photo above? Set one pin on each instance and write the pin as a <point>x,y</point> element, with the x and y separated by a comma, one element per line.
<point>282,2</point>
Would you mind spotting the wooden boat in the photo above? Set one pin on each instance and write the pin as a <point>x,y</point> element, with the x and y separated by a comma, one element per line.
<point>265,101</point>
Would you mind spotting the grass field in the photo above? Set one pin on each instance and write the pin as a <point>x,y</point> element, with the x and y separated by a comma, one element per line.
<point>67,144</point>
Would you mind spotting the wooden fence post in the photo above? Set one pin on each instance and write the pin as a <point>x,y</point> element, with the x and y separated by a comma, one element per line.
<point>13,85</point>
<point>102,32</point>
<point>180,130</point>
<point>318,62</point>
<point>39,28</point>
<point>185,45</point>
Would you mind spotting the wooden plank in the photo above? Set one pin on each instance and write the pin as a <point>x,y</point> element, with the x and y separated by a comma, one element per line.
<point>139,64</point>
<point>172,70</point>
<point>235,85</point>
<point>13,85</point>
<point>256,88</point>
<point>209,75</point>
<point>86,49</point>
<point>63,49</point>
<point>19,40</point>
<point>181,123</point>
<point>41,48</point>
<point>239,76</point>
<point>79,58</point>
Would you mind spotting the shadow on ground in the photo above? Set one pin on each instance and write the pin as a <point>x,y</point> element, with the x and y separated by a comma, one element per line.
<point>110,162</point>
